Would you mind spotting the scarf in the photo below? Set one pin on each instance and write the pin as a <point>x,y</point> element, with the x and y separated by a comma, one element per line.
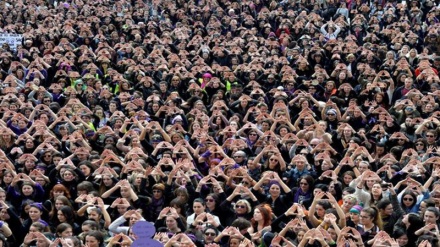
<point>300,196</point>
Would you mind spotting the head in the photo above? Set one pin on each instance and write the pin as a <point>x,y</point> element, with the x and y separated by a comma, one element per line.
<point>94,239</point>
<point>370,216</point>
<point>64,230</point>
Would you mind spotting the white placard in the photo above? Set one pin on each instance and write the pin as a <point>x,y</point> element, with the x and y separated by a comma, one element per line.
<point>12,39</point>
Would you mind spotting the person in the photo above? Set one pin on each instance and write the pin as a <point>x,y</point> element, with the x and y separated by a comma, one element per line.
<point>202,100</point>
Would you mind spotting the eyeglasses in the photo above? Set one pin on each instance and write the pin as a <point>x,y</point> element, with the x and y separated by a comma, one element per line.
<point>420,144</point>
<point>209,200</point>
<point>212,234</point>
<point>157,191</point>
<point>429,136</point>
<point>240,206</point>
<point>408,199</point>
<point>253,134</point>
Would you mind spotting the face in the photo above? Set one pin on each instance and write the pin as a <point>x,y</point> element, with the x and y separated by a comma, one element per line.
<point>61,216</point>
<point>94,216</point>
<point>68,176</point>
<point>92,241</point>
<point>304,185</point>
<point>209,236</point>
<point>171,222</point>
<point>408,200</point>
<point>320,211</point>
<point>240,208</point>
<point>347,179</point>
<point>365,218</point>
<point>157,194</point>
<point>27,190</point>
<point>85,170</point>
<point>198,208</point>
<point>257,215</point>
<point>34,214</point>
<point>430,218</point>
<point>402,240</point>
<point>274,190</point>
<point>107,180</point>
<point>388,210</point>
<point>354,217</point>
<point>376,189</point>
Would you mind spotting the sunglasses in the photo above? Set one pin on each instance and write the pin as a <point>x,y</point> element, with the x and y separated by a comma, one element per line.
<point>273,159</point>
<point>408,199</point>
<point>429,136</point>
<point>419,144</point>
<point>212,234</point>
<point>240,206</point>
<point>252,134</point>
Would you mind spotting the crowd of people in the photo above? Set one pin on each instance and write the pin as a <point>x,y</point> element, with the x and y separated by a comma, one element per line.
<point>223,123</point>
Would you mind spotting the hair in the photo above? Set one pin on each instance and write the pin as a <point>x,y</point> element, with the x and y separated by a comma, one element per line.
<point>200,200</point>
<point>309,180</point>
<point>351,198</point>
<point>40,227</point>
<point>350,190</point>
<point>398,232</point>
<point>60,187</point>
<point>92,224</point>
<point>248,205</point>
<point>241,223</point>
<point>62,227</point>
<point>181,191</point>
<point>75,240</point>
<point>85,185</point>
<point>266,212</point>
<point>66,202</point>
<point>373,212</point>
<point>382,204</point>
<point>69,213</point>
<point>414,197</point>
<point>98,235</point>
<point>434,210</point>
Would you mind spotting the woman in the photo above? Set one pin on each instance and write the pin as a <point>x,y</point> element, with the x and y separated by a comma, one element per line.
<point>67,215</point>
<point>262,219</point>
<point>411,223</point>
<point>94,239</point>
<point>169,221</point>
<point>354,219</point>
<point>401,237</point>
<point>371,224</point>
<point>409,202</point>
<point>29,190</point>
<point>35,212</point>
<point>303,194</point>
<point>199,208</point>
<point>64,230</point>
<point>157,202</point>
<point>374,195</point>
<point>279,203</point>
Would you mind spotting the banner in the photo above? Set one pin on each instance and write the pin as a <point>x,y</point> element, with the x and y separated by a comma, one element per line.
<point>12,39</point>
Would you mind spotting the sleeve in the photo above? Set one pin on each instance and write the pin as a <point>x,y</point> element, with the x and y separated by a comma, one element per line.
<point>115,227</point>
<point>396,206</point>
<point>363,196</point>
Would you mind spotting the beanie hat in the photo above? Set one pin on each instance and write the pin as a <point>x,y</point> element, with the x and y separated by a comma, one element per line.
<point>356,209</point>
